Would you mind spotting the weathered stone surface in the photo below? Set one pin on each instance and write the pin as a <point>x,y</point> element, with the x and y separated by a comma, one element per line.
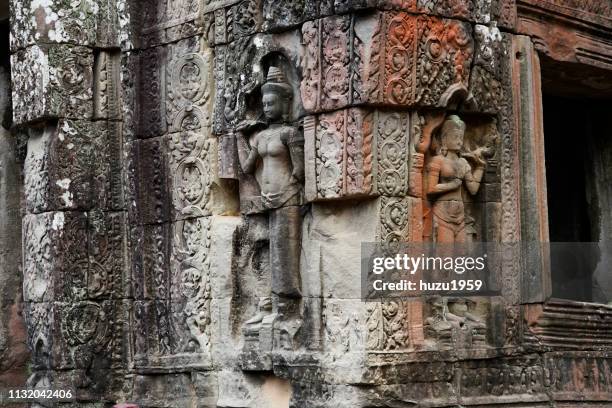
<point>51,81</point>
<point>491,56</point>
<point>150,91</point>
<point>195,188</point>
<point>62,155</point>
<point>189,87</point>
<point>53,22</point>
<point>56,249</point>
<point>339,155</point>
<point>240,67</point>
<point>170,258</point>
<point>387,58</point>
<point>165,21</point>
<point>87,22</point>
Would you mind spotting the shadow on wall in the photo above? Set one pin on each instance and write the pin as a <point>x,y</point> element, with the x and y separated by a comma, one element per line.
<point>14,354</point>
<point>4,11</point>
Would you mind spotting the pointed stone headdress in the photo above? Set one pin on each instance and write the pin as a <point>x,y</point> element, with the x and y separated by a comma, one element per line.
<point>276,82</point>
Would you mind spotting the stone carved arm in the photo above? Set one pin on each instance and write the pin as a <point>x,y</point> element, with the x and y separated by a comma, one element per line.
<point>434,186</point>
<point>474,177</point>
<point>295,143</point>
<point>247,155</point>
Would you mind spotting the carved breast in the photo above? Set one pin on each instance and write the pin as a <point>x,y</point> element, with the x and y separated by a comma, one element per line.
<point>271,144</point>
<point>450,169</point>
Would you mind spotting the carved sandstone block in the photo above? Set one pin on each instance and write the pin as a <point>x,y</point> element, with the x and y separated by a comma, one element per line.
<point>189,87</point>
<point>190,264</point>
<point>384,58</point>
<point>463,9</point>
<point>339,154</point>
<point>88,22</point>
<point>344,325</point>
<point>39,317</point>
<point>191,157</point>
<point>399,219</point>
<point>128,78</point>
<point>578,376</point>
<point>504,12</point>
<point>59,174</point>
<point>83,332</point>
<point>150,252</point>
<point>356,152</point>
<point>167,21</point>
<point>470,10</point>
<point>52,81</point>
<point>151,91</point>
<point>168,337</point>
<point>444,54</point>
<point>56,264</point>
<point>388,325</point>
<point>520,379</point>
<point>107,249</point>
<point>329,64</point>
<point>240,67</point>
<point>195,188</point>
<point>392,147</point>
<point>491,63</point>
<point>55,21</point>
<point>149,169</point>
<point>293,12</point>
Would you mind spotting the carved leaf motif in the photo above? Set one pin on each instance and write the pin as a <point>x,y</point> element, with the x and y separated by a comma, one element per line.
<point>392,153</point>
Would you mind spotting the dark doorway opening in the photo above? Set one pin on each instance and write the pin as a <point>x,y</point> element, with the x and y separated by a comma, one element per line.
<point>577,106</point>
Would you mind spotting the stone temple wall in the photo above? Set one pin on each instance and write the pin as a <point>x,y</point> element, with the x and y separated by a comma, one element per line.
<point>198,176</point>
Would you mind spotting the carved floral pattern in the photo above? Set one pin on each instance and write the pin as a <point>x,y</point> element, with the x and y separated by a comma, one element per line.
<point>387,325</point>
<point>343,154</point>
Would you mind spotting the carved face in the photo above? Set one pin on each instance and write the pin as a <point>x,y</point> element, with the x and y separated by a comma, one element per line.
<point>453,139</point>
<point>272,106</point>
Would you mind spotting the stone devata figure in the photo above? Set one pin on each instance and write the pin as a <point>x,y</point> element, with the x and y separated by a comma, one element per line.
<point>276,156</point>
<point>449,172</point>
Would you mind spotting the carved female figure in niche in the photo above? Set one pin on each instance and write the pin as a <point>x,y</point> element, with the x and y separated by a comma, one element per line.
<point>276,156</point>
<point>450,171</point>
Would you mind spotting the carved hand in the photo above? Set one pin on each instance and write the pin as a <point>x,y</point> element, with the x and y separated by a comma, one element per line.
<point>476,156</point>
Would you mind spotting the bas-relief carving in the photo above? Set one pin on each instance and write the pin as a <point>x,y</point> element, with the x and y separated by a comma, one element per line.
<point>387,58</point>
<point>276,156</point>
<point>340,147</point>
<point>455,323</point>
<point>595,7</point>
<point>52,81</point>
<point>449,172</point>
<point>167,21</point>
<point>189,121</point>
<point>388,326</point>
<point>358,152</point>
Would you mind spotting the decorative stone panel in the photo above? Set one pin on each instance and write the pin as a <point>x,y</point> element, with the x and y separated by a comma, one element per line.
<point>84,22</point>
<point>56,264</point>
<point>52,81</point>
<point>166,21</point>
<point>491,61</point>
<point>386,58</point>
<point>356,152</point>
<point>67,166</point>
<point>339,155</point>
